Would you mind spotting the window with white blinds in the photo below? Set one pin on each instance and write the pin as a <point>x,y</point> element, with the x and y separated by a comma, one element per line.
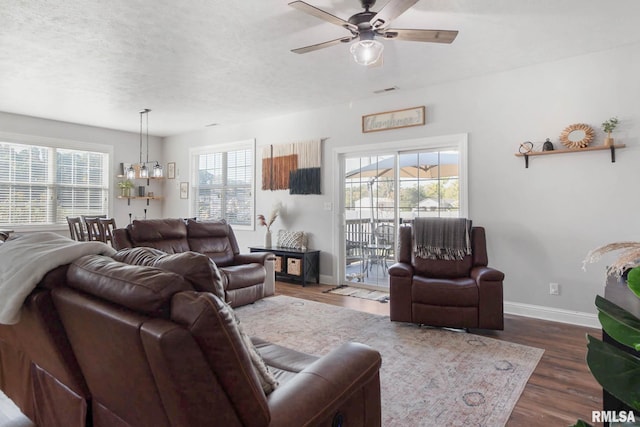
<point>224,184</point>
<point>43,185</point>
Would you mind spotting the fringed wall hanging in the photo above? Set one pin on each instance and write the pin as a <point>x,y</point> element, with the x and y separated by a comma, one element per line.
<point>294,166</point>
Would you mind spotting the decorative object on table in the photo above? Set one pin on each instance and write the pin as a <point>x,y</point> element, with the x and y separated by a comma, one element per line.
<point>577,136</point>
<point>394,119</point>
<point>295,166</point>
<point>608,126</point>
<point>171,170</point>
<point>125,188</point>
<point>184,190</point>
<point>291,239</point>
<point>617,371</point>
<point>547,146</point>
<point>267,223</point>
<point>526,147</point>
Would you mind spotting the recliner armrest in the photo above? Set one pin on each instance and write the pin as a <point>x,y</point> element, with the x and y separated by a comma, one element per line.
<point>401,269</point>
<point>480,274</point>
<point>318,391</point>
<point>258,257</point>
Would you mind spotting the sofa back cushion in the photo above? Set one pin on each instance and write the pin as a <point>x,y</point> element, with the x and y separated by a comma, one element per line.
<point>143,289</point>
<point>213,326</point>
<point>445,269</point>
<point>215,239</point>
<point>196,268</point>
<point>168,235</point>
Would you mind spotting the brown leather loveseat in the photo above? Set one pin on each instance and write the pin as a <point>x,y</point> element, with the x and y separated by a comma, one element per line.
<point>142,346</point>
<point>246,277</point>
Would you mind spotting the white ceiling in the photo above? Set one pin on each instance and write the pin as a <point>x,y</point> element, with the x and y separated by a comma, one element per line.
<point>197,62</point>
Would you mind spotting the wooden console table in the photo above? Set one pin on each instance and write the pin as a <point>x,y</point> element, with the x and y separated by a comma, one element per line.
<point>295,265</point>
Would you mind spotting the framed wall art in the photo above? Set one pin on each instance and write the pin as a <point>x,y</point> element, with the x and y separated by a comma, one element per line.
<point>171,170</point>
<point>184,190</point>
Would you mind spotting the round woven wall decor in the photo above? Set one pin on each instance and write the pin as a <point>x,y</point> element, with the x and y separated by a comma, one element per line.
<point>578,135</point>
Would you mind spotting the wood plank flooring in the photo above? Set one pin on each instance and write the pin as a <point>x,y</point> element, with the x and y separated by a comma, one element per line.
<point>560,390</point>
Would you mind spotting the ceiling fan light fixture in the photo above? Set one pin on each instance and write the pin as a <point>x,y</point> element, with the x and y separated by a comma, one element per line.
<point>366,52</point>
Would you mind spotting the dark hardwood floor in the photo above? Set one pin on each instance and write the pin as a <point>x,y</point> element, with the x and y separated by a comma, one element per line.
<point>560,390</point>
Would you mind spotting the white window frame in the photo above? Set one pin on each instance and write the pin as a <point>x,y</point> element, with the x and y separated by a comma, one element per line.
<point>67,144</point>
<point>249,144</point>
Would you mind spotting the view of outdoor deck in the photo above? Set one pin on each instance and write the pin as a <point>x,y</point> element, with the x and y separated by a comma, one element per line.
<point>385,192</point>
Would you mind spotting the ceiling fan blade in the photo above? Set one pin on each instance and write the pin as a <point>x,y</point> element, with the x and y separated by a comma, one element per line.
<point>432,36</point>
<point>391,11</point>
<point>318,46</point>
<point>325,16</point>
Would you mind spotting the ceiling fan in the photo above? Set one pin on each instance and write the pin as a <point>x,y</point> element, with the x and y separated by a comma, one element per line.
<point>366,25</point>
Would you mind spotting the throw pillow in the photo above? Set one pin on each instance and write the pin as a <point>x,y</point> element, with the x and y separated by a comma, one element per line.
<point>291,239</point>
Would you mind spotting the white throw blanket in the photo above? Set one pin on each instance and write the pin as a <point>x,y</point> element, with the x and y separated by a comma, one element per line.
<point>26,259</point>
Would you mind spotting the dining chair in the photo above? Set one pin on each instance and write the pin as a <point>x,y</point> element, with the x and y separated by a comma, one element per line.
<point>76,229</point>
<point>107,225</point>
<point>94,229</point>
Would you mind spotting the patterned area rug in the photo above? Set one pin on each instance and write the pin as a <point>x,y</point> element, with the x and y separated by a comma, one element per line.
<point>360,293</point>
<point>429,377</point>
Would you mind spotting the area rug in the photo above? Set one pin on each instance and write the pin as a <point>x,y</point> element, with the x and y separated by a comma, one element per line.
<point>360,293</point>
<point>429,376</point>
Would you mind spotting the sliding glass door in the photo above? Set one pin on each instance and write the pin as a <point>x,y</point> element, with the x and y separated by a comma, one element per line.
<point>385,191</point>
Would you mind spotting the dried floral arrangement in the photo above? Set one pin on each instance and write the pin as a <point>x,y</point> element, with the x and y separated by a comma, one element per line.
<point>275,211</point>
<point>629,257</point>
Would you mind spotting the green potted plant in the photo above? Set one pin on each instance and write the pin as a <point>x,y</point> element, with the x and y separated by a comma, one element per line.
<point>125,188</point>
<point>617,371</point>
<point>608,126</point>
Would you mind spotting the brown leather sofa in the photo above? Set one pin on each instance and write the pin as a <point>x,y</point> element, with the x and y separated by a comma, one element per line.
<point>246,277</point>
<point>105,343</point>
<point>447,293</point>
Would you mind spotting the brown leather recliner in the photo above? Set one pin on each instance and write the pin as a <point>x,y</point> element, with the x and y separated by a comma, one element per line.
<point>446,293</point>
<point>245,277</point>
<point>154,352</point>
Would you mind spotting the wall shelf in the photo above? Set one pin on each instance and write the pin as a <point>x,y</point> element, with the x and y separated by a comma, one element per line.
<point>577,150</point>
<point>139,197</point>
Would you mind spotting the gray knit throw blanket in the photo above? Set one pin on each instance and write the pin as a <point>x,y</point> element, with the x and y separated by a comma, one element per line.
<point>441,238</point>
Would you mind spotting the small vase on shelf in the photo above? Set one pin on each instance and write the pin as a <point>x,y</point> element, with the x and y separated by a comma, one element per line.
<point>267,239</point>
<point>608,141</point>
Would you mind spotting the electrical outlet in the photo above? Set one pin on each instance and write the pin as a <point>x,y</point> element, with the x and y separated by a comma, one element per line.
<point>328,206</point>
<point>554,289</point>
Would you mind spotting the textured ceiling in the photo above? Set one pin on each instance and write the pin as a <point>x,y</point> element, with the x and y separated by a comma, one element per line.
<point>199,62</point>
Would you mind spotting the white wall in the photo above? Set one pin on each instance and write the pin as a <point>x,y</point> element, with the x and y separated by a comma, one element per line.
<point>125,149</point>
<point>540,221</point>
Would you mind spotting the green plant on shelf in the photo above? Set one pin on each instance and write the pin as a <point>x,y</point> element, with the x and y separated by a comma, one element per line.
<point>609,125</point>
<point>125,188</point>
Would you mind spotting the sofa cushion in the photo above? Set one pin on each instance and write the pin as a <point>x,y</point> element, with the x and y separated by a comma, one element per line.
<point>144,289</point>
<point>211,238</point>
<point>242,276</point>
<point>461,292</point>
<point>196,268</point>
<point>168,235</point>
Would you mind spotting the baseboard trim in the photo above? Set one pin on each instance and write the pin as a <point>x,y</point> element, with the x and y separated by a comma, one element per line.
<point>553,314</point>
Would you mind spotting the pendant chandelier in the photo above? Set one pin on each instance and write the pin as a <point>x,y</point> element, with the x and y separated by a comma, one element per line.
<point>157,171</point>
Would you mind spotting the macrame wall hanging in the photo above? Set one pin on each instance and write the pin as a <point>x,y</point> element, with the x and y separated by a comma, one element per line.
<point>293,166</point>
